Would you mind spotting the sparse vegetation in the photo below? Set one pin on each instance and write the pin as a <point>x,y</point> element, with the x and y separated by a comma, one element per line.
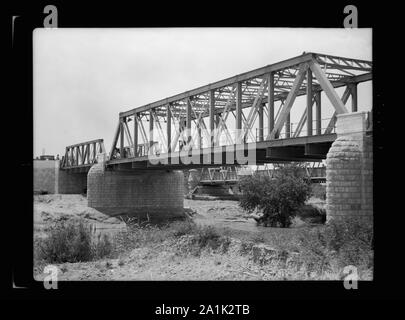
<point>181,228</point>
<point>312,251</point>
<point>278,198</point>
<point>72,241</point>
<point>338,244</point>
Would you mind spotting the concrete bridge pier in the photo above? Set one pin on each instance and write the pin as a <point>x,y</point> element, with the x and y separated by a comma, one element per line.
<point>349,168</point>
<point>145,194</point>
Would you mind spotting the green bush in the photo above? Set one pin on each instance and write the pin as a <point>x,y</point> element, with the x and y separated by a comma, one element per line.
<point>278,198</point>
<point>72,241</point>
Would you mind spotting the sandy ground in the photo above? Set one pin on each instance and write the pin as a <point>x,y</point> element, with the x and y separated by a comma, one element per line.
<point>163,261</point>
<point>53,208</point>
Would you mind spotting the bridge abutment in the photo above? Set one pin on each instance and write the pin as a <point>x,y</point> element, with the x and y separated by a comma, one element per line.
<point>145,194</point>
<point>349,169</point>
<point>50,178</point>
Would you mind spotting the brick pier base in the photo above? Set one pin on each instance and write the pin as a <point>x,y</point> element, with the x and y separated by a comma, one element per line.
<point>349,169</point>
<point>157,194</point>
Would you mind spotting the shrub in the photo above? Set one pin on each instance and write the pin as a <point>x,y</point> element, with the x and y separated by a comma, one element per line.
<point>181,228</point>
<point>103,246</point>
<point>246,247</point>
<point>319,191</point>
<point>352,240</point>
<point>207,236</point>
<point>72,241</point>
<point>258,238</point>
<point>343,242</point>
<point>278,198</point>
<point>140,234</point>
<point>312,214</point>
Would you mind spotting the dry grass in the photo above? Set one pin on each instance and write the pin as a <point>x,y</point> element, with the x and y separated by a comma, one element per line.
<point>318,253</point>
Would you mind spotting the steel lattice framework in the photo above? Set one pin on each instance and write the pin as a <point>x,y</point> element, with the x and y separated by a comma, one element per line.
<point>253,106</point>
<point>82,154</point>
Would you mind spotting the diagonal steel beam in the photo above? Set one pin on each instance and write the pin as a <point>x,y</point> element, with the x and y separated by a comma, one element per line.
<point>332,120</point>
<point>128,135</point>
<point>289,101</point>
<point>255,107</point>
<point>327,87</point>
<point>303,119</point>
<point>115,140</point>
<point>143,134</point>
<point>223,117</point>
<point>160,131</point>
<point>178,131</point>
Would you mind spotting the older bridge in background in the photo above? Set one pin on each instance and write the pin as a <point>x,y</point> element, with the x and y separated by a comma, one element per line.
<point>249,110</point>
<point>315,172</point>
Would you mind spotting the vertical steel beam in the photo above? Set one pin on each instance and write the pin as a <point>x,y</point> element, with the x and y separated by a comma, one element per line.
<point>94,152</point>
<point>211,115</point>
<point>199,142</point>
<point>318,112</point>
<point>169,129</point>
<point>288,126</point>
<point>261,138</point>
<point>188,121</point>
<point>122,138</point>
<point>238,124</point>
<point>135,135</point>
<point>84,153</point>
<point>270,103</point>
<point>309,102</point>
<point>353,92</point>
<point>151,127</point>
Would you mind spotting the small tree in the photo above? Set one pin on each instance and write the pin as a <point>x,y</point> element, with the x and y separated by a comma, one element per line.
<point>278,197</point>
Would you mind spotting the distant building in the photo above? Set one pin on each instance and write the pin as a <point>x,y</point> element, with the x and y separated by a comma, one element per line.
<point>46,157</point>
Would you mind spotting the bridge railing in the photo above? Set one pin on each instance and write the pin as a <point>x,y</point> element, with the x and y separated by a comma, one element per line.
<point>82,154</point>
<point>227,138</point>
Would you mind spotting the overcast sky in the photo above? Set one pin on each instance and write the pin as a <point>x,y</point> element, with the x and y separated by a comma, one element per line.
<point>83,78</point>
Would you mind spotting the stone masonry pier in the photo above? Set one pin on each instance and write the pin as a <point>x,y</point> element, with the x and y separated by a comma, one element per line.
<point>349,168</point>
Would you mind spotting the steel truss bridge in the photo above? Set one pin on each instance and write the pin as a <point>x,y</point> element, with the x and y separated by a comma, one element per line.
<point>249,110</point>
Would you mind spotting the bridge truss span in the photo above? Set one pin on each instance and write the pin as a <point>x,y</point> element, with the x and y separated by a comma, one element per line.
<point>82,155</point>
<point>252,108</point>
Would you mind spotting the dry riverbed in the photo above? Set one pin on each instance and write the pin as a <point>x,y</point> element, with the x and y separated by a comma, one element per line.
<point>240,256</point>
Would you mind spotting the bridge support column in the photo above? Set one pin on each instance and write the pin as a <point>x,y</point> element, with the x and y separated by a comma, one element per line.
<point>349,169</point>
<point>154,194</point>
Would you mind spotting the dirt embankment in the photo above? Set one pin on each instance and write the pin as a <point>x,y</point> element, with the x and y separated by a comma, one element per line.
<point>52,208</point>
